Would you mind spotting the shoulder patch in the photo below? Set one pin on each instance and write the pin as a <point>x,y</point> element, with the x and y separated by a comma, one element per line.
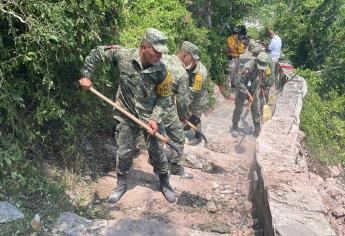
<point>164,88</point>
<point>197,82</point>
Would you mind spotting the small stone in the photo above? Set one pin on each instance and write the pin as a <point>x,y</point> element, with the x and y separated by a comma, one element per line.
<point>193,160</point>
<point>338,212</point>
<point>211,207</point>
<point>215,185</point>
<point>208,197</point>
<point>233,203</point>
<point>248,206</point>
<point>333,193</point>
<point>226,191</point>
<point>9,212</point>
<point>334,171</point>
<point>316,180</point>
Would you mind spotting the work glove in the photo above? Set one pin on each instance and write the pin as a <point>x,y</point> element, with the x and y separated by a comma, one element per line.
<point>194,120</point>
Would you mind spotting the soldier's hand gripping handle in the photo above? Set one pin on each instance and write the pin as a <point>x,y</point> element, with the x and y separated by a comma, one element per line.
<point>85,83</point>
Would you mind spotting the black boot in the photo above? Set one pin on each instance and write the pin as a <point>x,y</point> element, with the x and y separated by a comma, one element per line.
<point>234,131</point>
<point>120,189</point>
<point>166,189</point>
<point>257,129</point>
<point>180,171</point>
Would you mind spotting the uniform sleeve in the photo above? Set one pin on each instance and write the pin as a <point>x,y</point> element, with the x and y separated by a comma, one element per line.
<point>231,43</point>
<point>198,104</point>
<point>240,82</point>
<point>163,95</point>
<point>182,98</point>
<point>98,56</point>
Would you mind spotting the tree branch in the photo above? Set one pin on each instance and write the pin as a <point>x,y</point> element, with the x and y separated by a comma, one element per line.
<point>14,15</point>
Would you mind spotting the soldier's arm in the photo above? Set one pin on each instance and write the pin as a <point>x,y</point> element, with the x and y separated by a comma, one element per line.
<point>163,92</point>
<point>182,98</point>
<point>199,93</point>
<point>98,56</point>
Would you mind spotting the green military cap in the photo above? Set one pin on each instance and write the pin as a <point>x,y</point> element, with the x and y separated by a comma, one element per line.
<point>191,48</point>
<point>258,48</point>
<point>157,39</point>
<point>262,60</point>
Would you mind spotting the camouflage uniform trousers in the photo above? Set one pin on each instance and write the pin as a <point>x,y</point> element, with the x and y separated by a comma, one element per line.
<point>232,64</point>
<point>126,140</point>
<point>255,110</point>
<point>174,130</point>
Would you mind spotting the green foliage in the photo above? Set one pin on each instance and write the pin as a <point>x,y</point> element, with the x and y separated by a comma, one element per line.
<point>323,121</point>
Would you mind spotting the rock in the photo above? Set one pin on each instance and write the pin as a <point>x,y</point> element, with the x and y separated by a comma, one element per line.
<point>211,207</point>
<point>233,203</point>
<point>208,197</point>
<point>316,180</point>
<point>338,212</point>
<point>9,212</point>
<point>248,206</point>
<point>215,185</point>
<point>333,193</point>
<point>295,230</point>
<point>226,191</point>
<point>334,171</point>
<point>196,164</point>
<point>221,228</point>
<point>36,222</point>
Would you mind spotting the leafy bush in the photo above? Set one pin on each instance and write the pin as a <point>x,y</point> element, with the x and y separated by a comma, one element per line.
<point>323,121</point>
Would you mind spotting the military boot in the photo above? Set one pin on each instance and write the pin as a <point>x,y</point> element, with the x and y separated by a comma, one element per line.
<point>166,189</point>
<point>120,189</point>
<point>180,171</point>
<point>234,131</point>
<point>257,129</point>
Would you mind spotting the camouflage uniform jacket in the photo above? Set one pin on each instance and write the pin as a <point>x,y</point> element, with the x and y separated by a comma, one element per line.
<point>268,81</point>
<point>141,91</point>
<point>198,89</point>
<point>251,80</point>
<point>179,83</point>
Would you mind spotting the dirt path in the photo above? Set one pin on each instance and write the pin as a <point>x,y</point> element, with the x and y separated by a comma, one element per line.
<point>215,200</point>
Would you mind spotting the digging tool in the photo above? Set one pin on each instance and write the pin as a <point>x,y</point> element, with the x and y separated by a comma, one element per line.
<point>195,129</point>
<point>211,145</point>
<point>135,119</point>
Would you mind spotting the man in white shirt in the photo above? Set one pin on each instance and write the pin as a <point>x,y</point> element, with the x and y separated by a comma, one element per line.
<point>275,45</point>
<point>274,49</point>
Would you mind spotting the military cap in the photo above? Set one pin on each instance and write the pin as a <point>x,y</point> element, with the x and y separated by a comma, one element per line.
<point>258,48</point>
<point>157,39</point>
<point>191,48</point>
<point>262,60</point>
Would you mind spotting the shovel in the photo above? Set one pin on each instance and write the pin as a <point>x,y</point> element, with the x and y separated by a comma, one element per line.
<point>213,146</point>
<point>136,120</point>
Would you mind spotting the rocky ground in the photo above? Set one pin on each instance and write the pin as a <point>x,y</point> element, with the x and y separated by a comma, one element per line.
<point>215,200</point>
<point>330,183</point>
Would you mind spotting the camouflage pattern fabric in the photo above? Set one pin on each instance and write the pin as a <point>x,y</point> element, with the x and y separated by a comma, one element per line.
<point>249,82</point>
<point>198,89</point>
<point>143,91</point>
<point>171,115</point>
<point>126,140</point>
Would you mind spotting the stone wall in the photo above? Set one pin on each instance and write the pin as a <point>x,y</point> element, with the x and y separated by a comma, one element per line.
<point>287,204</point>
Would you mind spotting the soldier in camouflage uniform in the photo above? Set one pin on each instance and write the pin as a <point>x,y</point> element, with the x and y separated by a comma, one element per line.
<point>174,115</point>
<point>144,90</point>
<point>248,87</point>
<point>267,83</point>
<point>198,97</point>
